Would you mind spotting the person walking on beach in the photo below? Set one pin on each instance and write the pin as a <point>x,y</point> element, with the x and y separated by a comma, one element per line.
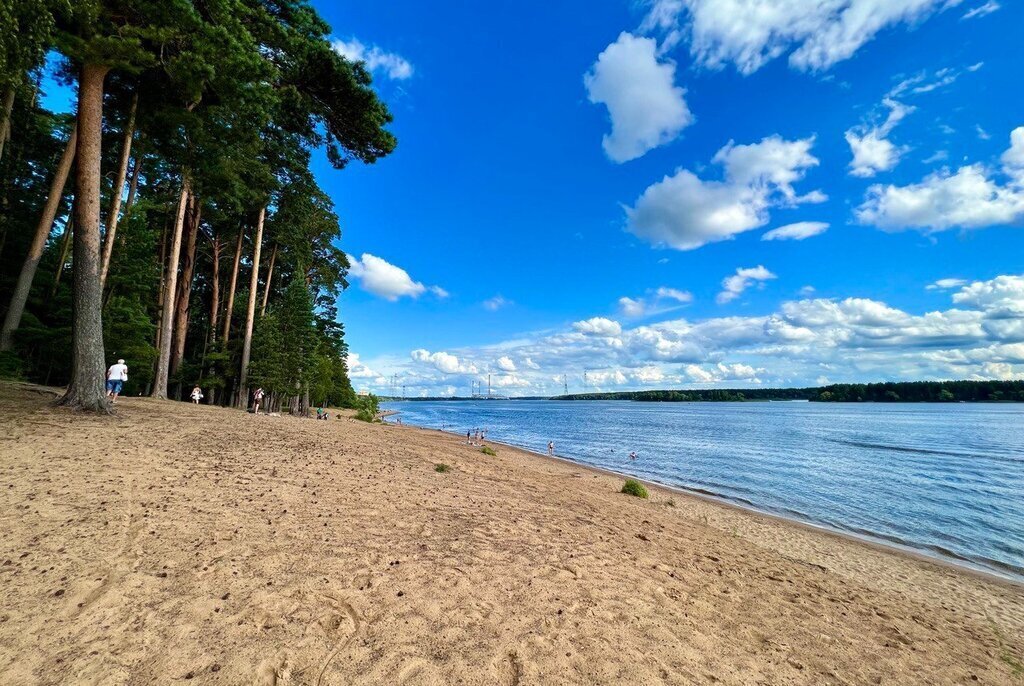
<point>117,374</point>
<point>197,395</point>
<point>257,398</point>
<point>469,437</point>
<point>551,448</point>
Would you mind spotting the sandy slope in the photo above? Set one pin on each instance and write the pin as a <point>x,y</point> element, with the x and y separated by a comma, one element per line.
<point>173,543</point>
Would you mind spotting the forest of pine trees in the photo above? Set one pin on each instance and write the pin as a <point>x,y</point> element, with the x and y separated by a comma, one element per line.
<point>173,220</point>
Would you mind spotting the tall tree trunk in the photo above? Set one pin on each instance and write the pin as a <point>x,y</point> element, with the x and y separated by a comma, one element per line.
<point>5,117</point>
<point>250,316</point>
<point>188,264</point>
<point>266,286</point>
<point>35,251</point>
<point>230,305</point>
<point>87,365</point>
<point>118,190</point>
<point>215,288</point>
<point>167,316</point>
<point>65,244</point>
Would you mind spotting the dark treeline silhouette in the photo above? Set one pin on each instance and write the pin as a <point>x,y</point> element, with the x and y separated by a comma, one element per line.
<point>898,391</point>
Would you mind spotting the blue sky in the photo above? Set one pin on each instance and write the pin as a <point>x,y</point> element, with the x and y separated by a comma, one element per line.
<point>586,187</point>
<point>501,186</point>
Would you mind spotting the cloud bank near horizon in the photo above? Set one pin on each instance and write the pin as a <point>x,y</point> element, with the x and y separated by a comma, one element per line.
<point>809,341</point>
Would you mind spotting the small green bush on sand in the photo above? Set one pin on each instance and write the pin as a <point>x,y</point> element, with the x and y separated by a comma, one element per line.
<point>488,450</point>
<point>442,468</point>
<point>368,408</point>
<point>634,487</point>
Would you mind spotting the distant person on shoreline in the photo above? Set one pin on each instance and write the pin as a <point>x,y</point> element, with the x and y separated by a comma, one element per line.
<point>469,437</point>
<point>551,448</point>
<point>257,398</point>
<point>117,374</point>
<point>197,395</point>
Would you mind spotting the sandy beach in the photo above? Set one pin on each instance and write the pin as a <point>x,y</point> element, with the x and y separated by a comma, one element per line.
<point>175,543</point>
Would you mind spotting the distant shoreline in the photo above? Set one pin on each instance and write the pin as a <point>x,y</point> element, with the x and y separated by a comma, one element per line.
<point>885,392</point>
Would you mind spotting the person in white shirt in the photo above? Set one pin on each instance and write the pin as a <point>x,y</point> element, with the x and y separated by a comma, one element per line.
<point>116,376</point>
<point>197,395</point>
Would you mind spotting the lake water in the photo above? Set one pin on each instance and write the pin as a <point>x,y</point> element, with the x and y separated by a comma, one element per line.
<point>942,479</point>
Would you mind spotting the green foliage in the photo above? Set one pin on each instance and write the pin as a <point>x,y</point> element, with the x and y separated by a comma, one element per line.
<point>924,391</point>
<point>11,366</point>
<point>634,487</point>
<point>488,450</point>
<point>234,96</point>
<point>128,333</point>
<point>442,468</point>
<point>368,408</point>
<point>26,28</point>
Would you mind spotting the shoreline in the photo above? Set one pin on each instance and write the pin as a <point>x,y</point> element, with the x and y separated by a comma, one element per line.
<point>173,542</point>
<point>949,562</point>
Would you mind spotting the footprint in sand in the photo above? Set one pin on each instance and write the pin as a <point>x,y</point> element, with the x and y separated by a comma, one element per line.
<point>341,627</point>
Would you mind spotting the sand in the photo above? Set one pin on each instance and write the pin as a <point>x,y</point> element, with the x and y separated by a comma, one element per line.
<point>174,543</point>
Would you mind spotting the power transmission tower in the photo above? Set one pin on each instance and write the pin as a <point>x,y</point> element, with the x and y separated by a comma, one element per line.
<point>565,385</point>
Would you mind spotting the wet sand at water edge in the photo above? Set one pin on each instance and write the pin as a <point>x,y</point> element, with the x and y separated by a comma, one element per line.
<point>182,544</point>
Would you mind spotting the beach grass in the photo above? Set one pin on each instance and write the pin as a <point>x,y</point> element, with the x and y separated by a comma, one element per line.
<point>488,450</point>
<point>442,468</point>
<point>634,487</point>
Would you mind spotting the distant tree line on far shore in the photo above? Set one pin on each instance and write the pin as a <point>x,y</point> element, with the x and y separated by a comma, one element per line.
<point>900,391</point>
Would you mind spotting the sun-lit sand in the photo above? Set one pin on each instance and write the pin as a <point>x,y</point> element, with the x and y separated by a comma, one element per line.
<point>175,543</point>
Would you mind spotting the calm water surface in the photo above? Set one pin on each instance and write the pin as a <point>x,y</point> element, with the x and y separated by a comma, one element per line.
<point>943,479</point>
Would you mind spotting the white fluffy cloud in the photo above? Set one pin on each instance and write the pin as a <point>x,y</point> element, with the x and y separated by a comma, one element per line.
<point>632,307</point>
<point>795,232</point>
<point>872,151</point>
<point>659,300</point>
<point>646,108</point>
<point>444,362</point>
<point>358,370</point>
<point>749,33</point>
<point>376,60</point>
<point>1013,158</point>
<point>378,276</point>
<point>685,212</point>
<point>665,293</point>
<point>980,335</point>
<point>971,197</point>
<point>506,364</point>
<point>946,284</point>
<point>734,286</point>
<point>598,326</point>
